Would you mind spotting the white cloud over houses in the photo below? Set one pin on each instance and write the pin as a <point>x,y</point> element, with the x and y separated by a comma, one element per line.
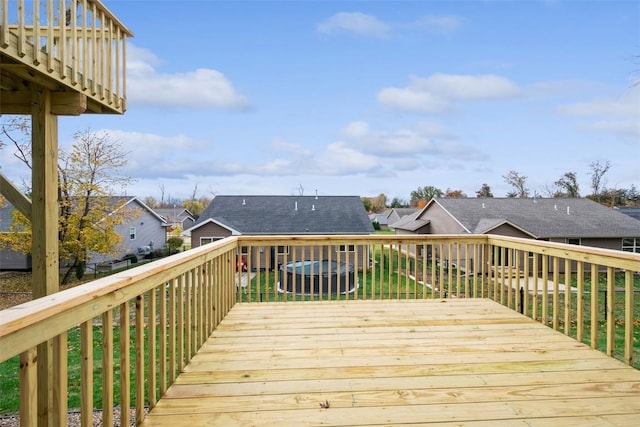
<point>354,22</point>
<point>618,116</point>
<point>439,92</point>
<point>200,88</point>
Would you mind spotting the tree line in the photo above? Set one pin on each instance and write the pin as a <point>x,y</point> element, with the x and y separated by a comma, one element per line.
<point>566,186</point>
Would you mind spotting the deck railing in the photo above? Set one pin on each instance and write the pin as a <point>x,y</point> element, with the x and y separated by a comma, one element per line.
<point>158,315</point>
<point>78,44</point>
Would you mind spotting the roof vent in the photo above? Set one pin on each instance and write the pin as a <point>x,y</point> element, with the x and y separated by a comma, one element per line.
<point>316,194</point>
<point>313,207</point>
<point>296,206</point>
<point>244,202</point>
<point>555,207</point>
<point>482,205</point>
<point>568,210</point>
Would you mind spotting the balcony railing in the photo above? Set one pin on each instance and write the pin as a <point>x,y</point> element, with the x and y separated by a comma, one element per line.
<point>148,322</point>
<point>75,46</point>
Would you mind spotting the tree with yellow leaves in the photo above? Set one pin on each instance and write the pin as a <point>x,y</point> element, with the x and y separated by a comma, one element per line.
<point>87,179</point>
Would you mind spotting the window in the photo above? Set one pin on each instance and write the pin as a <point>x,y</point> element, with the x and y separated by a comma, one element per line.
<point>346,248</point>
<point>206,240</point>
<point>132,233</point>
<point>631,244</point>
<point>282,250</point>
<point>573,241</point>
<point>244,250</point>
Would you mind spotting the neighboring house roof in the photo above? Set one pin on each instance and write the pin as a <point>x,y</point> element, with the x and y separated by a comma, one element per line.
<point>288,215</point>
<point>401,212</point>
<point>380,218</point>
<point>174,215</point>
<point>115,203</point>
<point>410,222</point>
<point>632,212</point>
<point>541,218</point>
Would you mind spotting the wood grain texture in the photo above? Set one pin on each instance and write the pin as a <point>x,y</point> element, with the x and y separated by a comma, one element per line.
<point>466,361</point>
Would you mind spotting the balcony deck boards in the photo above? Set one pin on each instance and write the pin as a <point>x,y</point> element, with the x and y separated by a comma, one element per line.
<point>465,361</point>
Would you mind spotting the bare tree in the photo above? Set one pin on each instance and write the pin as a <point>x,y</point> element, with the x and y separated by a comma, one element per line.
<point>162,190</point>
<point>518,182</point>
<point>598,170</point>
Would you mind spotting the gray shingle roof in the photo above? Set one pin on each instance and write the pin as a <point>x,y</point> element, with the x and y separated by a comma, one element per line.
<point>410,222</point>
<point>543,218</point>
<point>278,214</point>
<point>632,212</point>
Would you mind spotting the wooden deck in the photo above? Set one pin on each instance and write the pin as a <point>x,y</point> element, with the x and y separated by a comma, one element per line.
<point>453,362</point>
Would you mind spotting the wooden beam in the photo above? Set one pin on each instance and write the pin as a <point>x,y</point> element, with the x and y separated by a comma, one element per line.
<point>44,223</point>
<point>62,103</point>
<point>15,197</point>
<point>44,202</point>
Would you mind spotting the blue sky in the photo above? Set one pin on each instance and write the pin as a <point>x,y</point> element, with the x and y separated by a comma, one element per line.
<point>369,97</point>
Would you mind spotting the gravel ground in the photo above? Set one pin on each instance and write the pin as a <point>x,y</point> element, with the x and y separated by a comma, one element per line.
<point>73,419</point>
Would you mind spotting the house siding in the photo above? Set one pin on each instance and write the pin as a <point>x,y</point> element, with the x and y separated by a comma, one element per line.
<point>441,221</point>
<point>12,260</point>
<point>208,230</point>
<point>149,229</point>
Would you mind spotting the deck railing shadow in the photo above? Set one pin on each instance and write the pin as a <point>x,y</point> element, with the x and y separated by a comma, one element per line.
<point>134,332</point>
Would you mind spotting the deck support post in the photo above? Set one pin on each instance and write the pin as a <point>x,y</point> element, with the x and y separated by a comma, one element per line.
<point>44,223</point>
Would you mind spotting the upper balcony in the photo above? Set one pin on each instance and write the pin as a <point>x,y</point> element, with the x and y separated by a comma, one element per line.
<point>261,330</point>
<point>75,49</point>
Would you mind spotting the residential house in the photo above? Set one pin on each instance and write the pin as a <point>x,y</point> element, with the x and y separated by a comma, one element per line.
<point>396,214</point>
<point>380,219</point>
<point>10,259</point>
<point>177,218</point>
<point>571,220</point>
<point>284,215</point>
<point>142,232</point>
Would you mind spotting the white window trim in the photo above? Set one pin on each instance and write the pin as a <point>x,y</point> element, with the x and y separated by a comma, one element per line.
<point>634,247</point>
<point>133,232</point>
<point>285,252</point>
<point>211,238</point>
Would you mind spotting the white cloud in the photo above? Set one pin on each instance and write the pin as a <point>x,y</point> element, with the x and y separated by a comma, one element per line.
<point>442,24</point>
<point>620,116</point>
<point>282,145</point>
<point>409,99</point>
<point>356,129</point>
<point>439,92</point>
<point>627,105</point>
<point>407,143</point>
<point>465,87</point>
<point>354,22</point>
<point>200,88</point>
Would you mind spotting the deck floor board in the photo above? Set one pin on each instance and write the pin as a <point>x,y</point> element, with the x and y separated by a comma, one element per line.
<point>463,362</point>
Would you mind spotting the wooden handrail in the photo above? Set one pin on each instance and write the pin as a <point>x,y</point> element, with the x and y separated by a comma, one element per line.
<point>77,47</point>
<point>169,307</point>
